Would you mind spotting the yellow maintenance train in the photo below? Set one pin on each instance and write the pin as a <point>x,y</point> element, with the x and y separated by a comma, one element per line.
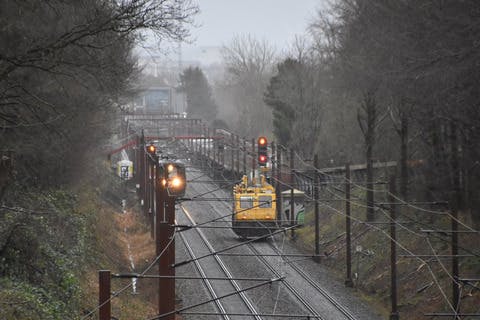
<point>254,209</point>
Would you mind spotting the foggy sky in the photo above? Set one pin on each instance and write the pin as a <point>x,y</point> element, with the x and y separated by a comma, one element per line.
<point>277,21</point>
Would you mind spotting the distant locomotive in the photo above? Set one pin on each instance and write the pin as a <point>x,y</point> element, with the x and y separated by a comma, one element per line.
<point>254,209</point>
<point>176,178</point>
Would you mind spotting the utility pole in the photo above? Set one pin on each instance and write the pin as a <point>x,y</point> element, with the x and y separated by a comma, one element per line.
<point>152,169</point>
<point>254,160</point>
<point>141,168</point>
<point>232,155</point>
<point>105,310</point>
<point>454,216</point>
<point>200,145</point>
<point>244,155</point>
<point>209,146</point>
<point>292,194</point>
<point>393,250</point>
<point>278,190</point>
<point>273,174</point>
<point>238,155</point>
<point>316,187</point>
<point>215,152</point>
<point>348,280</point>
<point>165,245</point>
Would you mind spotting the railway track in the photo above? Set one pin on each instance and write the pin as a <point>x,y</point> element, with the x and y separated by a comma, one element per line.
<point>222,308</point>
<point>314,284</point>
<point>344,313</point>
<point>207,283</point>
<point>291,288</point>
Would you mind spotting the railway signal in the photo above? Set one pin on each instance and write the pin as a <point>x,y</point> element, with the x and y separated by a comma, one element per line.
<point>262,151</point>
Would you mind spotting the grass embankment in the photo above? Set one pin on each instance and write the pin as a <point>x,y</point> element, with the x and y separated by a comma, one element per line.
<point>50,254</point>
<point>122,244</point>
<point>424,285</point>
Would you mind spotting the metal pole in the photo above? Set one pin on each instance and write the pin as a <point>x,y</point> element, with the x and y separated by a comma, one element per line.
<point>166,298</point>
<point>254,156</point>
<point>141,162</point>
<point>105,311</point>
<point>292,195</point>
<point>147,184</point>
<point>316,196</point>
<point>195,145</point>
<point>348,280</point>
<point>393,250</point>
<point>204,135</point>
<point>200,145</point>
<point>224,145</point>
<point>273,182</point>
<point>454,217</point>
<point>279,188</point>
<point>209,146</point>
<point>214,149</point>
<point>165,247</point>
<point>238,155</point>
<point>136,165</point>
<point>215,152</point>
<point>190,140</point>
<point>153,163</point>
<point>244,155</point>
<point>455,268</point>
<point>232,154</point>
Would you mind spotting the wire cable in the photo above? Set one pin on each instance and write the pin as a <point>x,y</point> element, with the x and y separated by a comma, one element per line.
<point>117,293</point>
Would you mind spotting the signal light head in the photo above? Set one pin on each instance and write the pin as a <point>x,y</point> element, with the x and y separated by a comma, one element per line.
<point>262,141</point>
<point>151,149</point>
<point>262,158</point>
<point>262,151</point>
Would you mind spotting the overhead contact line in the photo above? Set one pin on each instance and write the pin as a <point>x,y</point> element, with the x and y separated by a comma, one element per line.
<point>218,298</point>
<point>234,246</point>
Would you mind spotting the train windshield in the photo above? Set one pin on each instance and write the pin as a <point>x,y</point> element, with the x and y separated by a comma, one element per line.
<point>265,201</point>
<point>246,202</point>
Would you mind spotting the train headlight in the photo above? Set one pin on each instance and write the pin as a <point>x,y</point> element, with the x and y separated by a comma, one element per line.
<point>176,183</point>
<point>175,178</point>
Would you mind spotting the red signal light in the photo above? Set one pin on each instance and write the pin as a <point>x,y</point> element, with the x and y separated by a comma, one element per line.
<point>262,158</point>
<point>262,151</point>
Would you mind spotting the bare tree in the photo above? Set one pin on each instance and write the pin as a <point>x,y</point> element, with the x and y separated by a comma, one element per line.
<point>65,66</point>
<point>249,64</point>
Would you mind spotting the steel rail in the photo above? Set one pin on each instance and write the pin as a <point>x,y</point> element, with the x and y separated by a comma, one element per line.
<point>224,268</point>
<point>314,284</point>
<point>306,304</point>
<point>207,282</point>
<point>290,287</point>
<point>304,275</point>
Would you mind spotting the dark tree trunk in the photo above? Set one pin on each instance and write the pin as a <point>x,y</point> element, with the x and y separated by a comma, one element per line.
<point>404,156</point>
<point>370,108</point>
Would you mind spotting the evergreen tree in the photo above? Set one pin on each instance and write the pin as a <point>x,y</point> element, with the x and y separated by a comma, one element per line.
<point>293,94</point>
<point>200,103</point>
<point>280,96</point>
